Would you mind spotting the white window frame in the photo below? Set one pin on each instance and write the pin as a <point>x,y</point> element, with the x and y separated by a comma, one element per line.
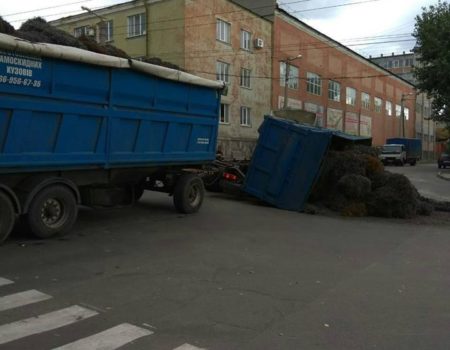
<point>378,104</point>
<point>334,91</point>
<point>313,84</point>
<point>246,40</point>
<point>389,108</point>
<point>223,71</point>
<point>223,31</point>
<point>398,110</point>
<point>245,116</point>
<point>136,25</point>
<point>109,30</point>
<point>224,117</point>
<point>350,96</point>
<point>245,80</point>
<point>293,82</point>
<point>365,100</point>
<point>406,111</point>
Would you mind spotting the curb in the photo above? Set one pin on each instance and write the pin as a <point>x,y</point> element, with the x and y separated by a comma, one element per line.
<point>443,177</point>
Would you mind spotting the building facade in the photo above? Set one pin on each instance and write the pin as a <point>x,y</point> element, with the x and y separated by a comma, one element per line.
<point>345,90</point>
<point>425,127</point>
<point>215,39</point>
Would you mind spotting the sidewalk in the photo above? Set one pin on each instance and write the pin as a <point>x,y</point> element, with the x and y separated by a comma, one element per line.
<point>444,175</point>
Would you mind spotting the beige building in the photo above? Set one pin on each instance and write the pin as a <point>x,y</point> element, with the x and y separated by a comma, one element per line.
<point>216,39</point>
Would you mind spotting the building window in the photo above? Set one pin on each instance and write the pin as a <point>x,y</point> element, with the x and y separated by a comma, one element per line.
<point>80,31</point>
<point>246,40</point>
<point>223,31</point>
<point>109,30</point>
<point>293,76</point>
<point>365,100</point>
<point>245,78</point>
<point>224,113</point>
<point>136,25</point>
<point>396,63</point>
<point>334,91</point>
<point>378,102</point>
<point>314,84</point>
<point>350,96</point>
<point>406,111</point>
<point>223,72</point>
<point>390,64</point>
<point>389,108</point>
<point>398,110</point>
<point>245,116</point>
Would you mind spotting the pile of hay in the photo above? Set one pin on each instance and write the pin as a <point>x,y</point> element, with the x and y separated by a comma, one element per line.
<point>354,183</point>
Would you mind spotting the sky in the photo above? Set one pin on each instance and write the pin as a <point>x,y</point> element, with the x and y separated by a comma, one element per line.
<point>370,27</point>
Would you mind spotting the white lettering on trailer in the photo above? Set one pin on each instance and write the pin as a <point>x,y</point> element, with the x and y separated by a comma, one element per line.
<point>203,141</point>
<point>19,71</point>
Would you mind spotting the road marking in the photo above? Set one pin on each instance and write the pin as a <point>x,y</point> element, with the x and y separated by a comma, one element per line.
<point>110,339</point>
<point>188,347</point>
<point>4,281</point>
<point>21,299</point>
<point>43,323</point>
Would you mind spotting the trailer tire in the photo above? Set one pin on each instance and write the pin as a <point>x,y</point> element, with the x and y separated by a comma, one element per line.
<point>189,193</point>
<point>7,216</point>
<point>53,211</point>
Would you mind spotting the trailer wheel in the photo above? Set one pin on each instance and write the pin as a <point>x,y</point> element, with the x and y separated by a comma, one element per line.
<point>53,211</point>
<point>7,217</point>
<point>189,193</point>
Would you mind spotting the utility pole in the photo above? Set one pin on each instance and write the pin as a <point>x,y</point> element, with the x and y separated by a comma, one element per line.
<point>287,62</point>
<point>101,25</point>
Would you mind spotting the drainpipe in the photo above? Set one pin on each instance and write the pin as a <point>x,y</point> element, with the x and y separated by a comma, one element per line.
<point>147,26</point>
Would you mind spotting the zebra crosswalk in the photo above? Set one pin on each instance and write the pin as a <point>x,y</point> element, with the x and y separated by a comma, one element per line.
<point>108,339</point>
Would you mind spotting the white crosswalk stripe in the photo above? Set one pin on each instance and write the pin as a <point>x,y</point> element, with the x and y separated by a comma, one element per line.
<point>110,339</point>
<point>21,299</point>
<point>188,347</point>
<point>4,281</point>
<point>43,323</point>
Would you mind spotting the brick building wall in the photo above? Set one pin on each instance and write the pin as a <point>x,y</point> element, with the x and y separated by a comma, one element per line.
<point>332,62</point>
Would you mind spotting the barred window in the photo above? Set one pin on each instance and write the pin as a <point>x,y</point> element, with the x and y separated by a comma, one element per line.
<point>365,100</point>
<point>350,96</point>
<point>389,108</point>
<point>314,84</point>
<point>292,78</point>
<point>378,102</point>
<point>334,91</point>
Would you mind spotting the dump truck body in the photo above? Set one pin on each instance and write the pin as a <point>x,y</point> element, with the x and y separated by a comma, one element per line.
<point>102,126</point>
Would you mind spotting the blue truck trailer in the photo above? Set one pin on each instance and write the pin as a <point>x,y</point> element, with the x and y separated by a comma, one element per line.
<point>401,150</point>
<point>80,128</point>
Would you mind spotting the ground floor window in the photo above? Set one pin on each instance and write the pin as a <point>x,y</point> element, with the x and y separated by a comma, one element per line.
<point>245,116</point>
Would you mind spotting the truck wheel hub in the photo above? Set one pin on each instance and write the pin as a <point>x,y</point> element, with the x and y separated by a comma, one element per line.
<point>51,211</point>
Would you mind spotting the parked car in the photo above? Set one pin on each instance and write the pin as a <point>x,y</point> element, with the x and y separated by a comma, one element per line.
<point>444,160</point>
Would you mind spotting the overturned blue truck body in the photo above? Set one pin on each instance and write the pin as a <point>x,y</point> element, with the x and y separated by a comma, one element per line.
<point>287,161</point>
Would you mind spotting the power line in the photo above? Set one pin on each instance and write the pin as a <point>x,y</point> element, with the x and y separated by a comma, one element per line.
<point>45,8</point>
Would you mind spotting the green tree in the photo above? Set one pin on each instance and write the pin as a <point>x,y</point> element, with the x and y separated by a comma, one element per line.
<point>432,31</point>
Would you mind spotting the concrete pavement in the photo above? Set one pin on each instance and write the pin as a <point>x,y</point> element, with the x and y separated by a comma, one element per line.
<point>237,275</point>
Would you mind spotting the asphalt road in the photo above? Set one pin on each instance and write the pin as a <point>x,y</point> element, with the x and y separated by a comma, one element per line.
<point>237,275</point>
<point>424,177</point>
